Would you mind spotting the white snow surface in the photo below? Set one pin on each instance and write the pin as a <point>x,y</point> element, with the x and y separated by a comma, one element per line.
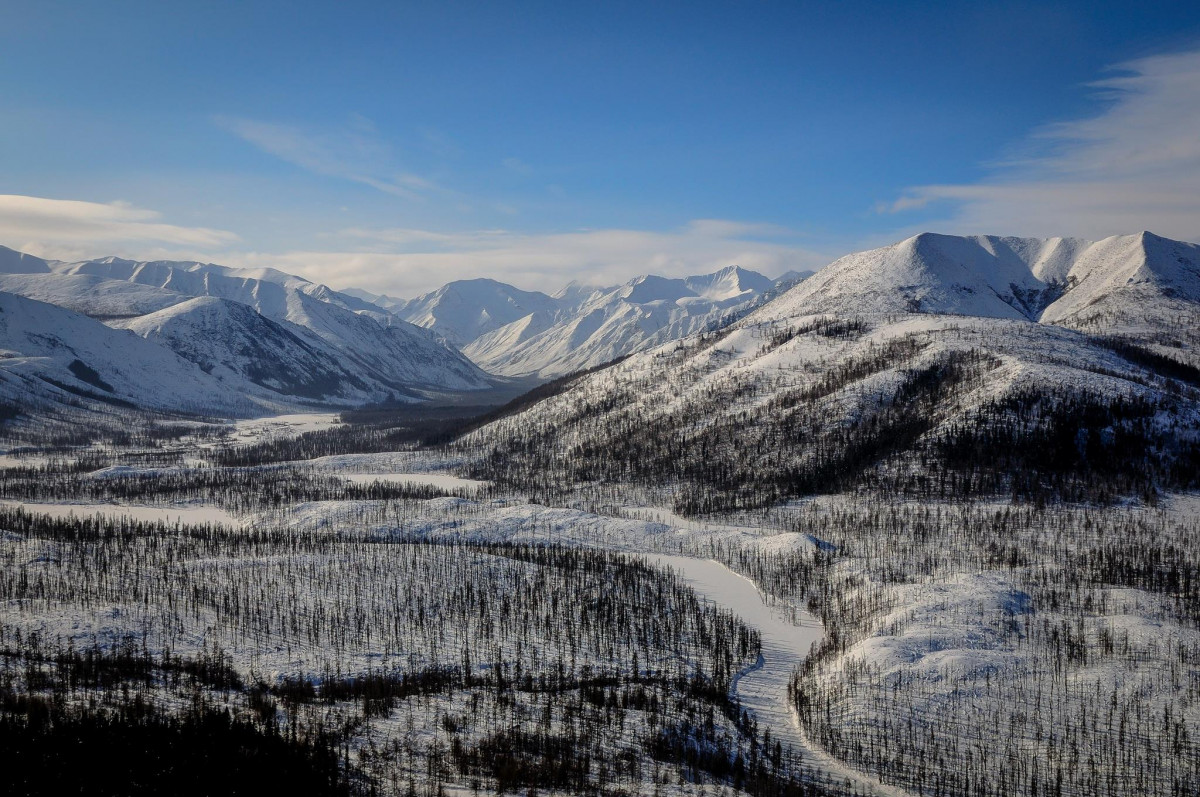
<point>195,513</point>
<point>444,481</point>
<point>463,310</point>
<point>51,354</point>
<point>1058,280</point>
<point>516,333</point>
<point>262,334</point>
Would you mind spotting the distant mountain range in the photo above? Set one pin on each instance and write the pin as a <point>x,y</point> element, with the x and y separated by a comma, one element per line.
<point>248,341</point>
<point>513,332</point>
<point>256,339</point>
<point>183,335</point>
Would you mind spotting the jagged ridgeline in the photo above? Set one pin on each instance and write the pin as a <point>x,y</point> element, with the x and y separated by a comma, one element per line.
<point>204,339</point>
<point>926,369</point>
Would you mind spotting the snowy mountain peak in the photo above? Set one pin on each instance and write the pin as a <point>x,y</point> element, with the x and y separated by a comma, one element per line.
<point>585,326</point>
<point>14,262</point>
<point>729,283</point>
<point>1140,285</point>
<point>1027,278</point>
<point>463,310</point>
<point>262,334</point>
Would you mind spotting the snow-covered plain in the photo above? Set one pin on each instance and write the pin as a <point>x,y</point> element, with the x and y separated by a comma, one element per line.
<point>195,514</point>
<point>442,480</point>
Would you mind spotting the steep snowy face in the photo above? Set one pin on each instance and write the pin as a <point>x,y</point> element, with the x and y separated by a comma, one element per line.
<point>245,350</point>
<point>516,333</point>
<point>53,356</point>
<point>981,275</point>
<point>464,310</point>
<point>379,347</point>
<point>1127,276</point>
<point>732,283</point>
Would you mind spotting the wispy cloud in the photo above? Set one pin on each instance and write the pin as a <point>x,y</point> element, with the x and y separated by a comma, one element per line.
<point>406,262</point>
<point>63,227</point>
<point>354,153</point>
<point>1134,166</point>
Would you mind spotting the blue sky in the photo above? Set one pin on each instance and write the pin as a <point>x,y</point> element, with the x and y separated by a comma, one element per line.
<point>394,146</point>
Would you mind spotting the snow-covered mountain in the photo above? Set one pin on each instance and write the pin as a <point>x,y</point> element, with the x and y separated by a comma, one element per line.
<point>974,355</point>
<point>100,298</point>
<point>272,338</point>
<point>262,335</point>
<point>513,332</point>
<point>14,262</point>
<point>391,351</point>
<point>463,310</point>
<point>235,344</point>
<point>51,356</point>
<point>1129,284</point>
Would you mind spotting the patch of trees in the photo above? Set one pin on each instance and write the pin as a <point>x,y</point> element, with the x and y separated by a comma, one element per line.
<point>1079,679</point>
<point>235,489</point>
<point>1159,364</point>
<point>410,663</point>
<point>127,743</point>
<point>896,418</point>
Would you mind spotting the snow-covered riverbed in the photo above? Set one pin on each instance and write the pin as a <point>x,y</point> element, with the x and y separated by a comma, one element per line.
<point>784,644</point>
<point>169,514</point>
<point>764,688</point>
<point>257,430</point>
<point>443,481</point>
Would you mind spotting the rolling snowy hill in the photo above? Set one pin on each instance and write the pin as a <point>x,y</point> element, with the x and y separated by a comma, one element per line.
<point>102,299</point>
<point>14,262</point>
<point>52,356</point>
<point>236,345</point>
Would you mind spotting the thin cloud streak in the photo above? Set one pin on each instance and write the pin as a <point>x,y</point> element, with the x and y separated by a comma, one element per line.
<point>1134,166</point>
<point>356,154</point>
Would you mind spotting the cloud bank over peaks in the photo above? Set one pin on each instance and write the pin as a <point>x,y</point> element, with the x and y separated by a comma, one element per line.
<point>406,262</point>
<point>67,228</point>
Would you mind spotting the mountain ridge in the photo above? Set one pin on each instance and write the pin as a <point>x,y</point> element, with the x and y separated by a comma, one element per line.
<point>263,337</point>
<point>517,333</point>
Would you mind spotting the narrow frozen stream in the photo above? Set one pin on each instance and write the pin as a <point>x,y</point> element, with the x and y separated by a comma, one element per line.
<point>441,480</point>
<point>764,688</point>
<point>167,514</point>
<point>784,645</point>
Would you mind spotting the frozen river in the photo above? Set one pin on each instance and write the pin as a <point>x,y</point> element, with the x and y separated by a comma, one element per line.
<point>168,514</point>
<point>764,688</point>
<point>784,644</point>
